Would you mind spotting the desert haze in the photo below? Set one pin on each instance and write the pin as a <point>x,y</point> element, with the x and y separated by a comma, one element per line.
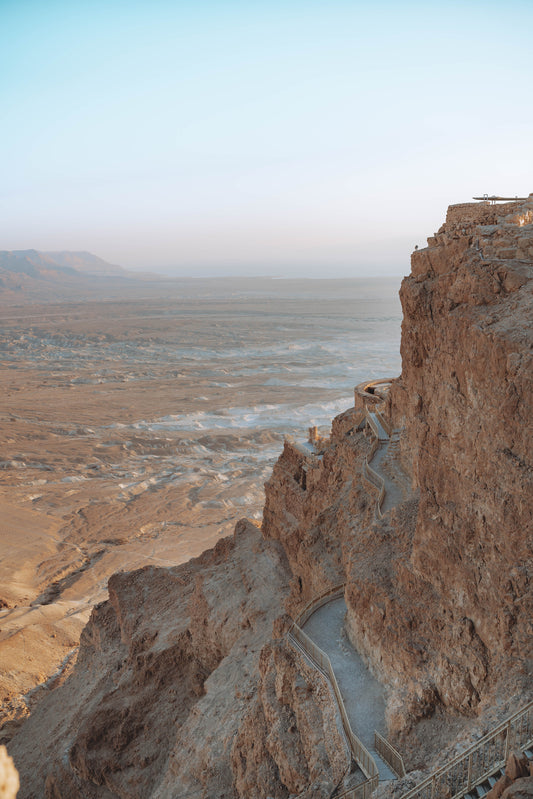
<point>245,555</point>
<point>139,429</point>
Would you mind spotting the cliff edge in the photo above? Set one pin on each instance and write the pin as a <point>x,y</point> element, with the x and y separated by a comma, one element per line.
<point>464,402</point>
<point>185,684</point>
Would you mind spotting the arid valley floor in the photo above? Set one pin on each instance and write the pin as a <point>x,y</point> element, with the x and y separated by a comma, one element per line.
<point>139,429</point>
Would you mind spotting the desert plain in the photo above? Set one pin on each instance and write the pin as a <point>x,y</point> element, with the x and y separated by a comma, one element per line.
<point>137,428</point>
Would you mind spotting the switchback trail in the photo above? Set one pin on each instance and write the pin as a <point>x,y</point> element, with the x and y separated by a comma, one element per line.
<point>361,692</point>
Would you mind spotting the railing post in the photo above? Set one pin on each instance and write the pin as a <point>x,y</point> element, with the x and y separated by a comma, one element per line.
<point>469,777</point>
<point>433,783</point>
<point>507,741</point>
<point>321,660</point>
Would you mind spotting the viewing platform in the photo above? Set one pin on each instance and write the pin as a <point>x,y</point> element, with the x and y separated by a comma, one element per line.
<point>494,198</point>
<point>372,392</point>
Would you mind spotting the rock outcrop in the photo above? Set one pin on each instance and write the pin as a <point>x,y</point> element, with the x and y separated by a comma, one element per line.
<point>517,782</point>
<point>184,685</point>
<point>9,778</point>
<point>168,672</point>
<point>465,403</point>
<point>521,789</point>
<point>439,593</point>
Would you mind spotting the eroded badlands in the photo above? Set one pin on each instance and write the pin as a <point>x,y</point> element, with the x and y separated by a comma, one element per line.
<point>138,431</point>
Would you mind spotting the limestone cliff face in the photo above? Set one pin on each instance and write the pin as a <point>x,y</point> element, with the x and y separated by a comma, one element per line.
<point>313,504</point>
<point>439,592</point>
<point>288,742</point>
<point>465,401</point>
<point>184,684</point>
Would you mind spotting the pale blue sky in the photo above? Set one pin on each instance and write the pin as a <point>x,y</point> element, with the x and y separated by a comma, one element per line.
<point>278,137</point>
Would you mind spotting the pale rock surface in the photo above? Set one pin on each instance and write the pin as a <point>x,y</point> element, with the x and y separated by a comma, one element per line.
<point>517,766</point>
<point>517,777</point>
<point>501,787</point>
<point>9,778</point>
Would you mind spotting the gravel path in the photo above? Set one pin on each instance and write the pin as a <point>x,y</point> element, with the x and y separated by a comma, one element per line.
<point>362,693</point>
<point>393,493</point>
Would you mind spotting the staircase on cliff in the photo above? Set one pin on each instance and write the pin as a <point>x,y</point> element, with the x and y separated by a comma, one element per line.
<point>481,769</point>
<point>490,783</point>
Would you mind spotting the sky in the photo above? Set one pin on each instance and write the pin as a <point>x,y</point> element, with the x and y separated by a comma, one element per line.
<point>266,137</point>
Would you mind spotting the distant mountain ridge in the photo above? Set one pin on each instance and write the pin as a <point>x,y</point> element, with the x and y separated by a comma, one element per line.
<point>85,262</point>
<point>36,263</point>
<point>31,274</point>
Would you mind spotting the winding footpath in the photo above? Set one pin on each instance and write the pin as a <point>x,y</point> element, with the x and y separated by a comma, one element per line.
<point>383,464</point>
<point>469,775</point>
<point>361,692</point>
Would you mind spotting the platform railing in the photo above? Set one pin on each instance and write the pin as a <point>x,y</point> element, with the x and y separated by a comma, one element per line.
<point>372,424</point>
<point>386,425</point>
<point>377,481</point>
<point>374,417</point>
<point>316,603</point>
<point>362,791</point>
<point>471,767</point>
<point>298,639</point>
<point>390,755</point>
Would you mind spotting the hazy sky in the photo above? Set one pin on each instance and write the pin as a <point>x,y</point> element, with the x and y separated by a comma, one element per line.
<point>257,137</point>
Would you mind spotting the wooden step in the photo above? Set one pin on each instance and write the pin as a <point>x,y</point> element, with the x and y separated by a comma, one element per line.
<point>476,793</point>
<point>484,787</point>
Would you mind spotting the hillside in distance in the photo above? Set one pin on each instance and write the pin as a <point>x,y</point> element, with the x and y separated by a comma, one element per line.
<point>33,275</point>
<point>83,262</point>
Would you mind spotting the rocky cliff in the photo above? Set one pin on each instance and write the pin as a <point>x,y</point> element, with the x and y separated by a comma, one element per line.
<point>439,592</point>
<point>184,684</point>
<point>176,692</point>
<point>465,402</point>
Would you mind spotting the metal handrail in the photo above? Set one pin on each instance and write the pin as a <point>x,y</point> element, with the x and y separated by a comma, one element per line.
<point>386,425</point>
<point>373,449</point>
<point>369,473</point>
<point>320,659</point>
<point>317,602</point>
<point>390,755</point>
<point>362,791</point>
<point>372,424</point>
<point>478,762</point>
<point>360,753</point>
<point>372,476</point>
<point>377,481</point>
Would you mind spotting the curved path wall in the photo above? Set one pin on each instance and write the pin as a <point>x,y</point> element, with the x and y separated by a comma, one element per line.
<point>361,692</point>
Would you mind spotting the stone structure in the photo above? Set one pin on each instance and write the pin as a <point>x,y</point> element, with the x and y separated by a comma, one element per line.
<point>372,392</point>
